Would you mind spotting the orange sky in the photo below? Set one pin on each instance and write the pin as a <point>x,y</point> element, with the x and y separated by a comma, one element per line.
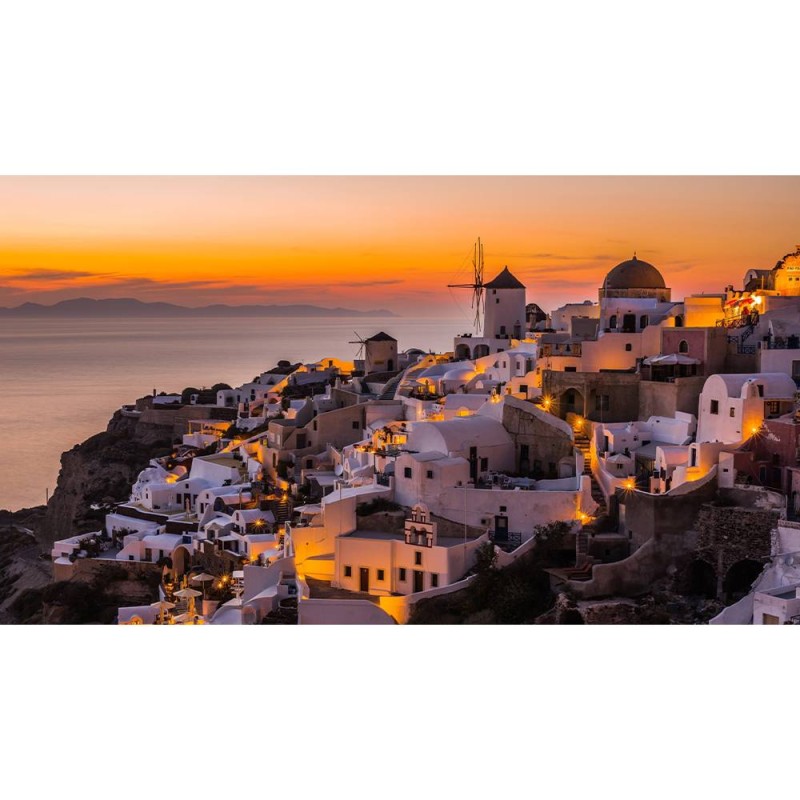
<point>391,242</point>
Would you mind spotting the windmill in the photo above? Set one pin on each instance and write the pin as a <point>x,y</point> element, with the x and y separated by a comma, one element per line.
<point>476,285</point>
<point>360,340</point>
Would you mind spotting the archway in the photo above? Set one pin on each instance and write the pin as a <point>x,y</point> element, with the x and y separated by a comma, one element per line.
<point>740,578</point>
<point>181,559</point>
<point>462,352</point>
<point>570,402</point>
<point>480,351</point>
<point>701,579</point>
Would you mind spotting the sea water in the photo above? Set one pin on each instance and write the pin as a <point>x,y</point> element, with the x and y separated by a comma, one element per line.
<point>63,379</point>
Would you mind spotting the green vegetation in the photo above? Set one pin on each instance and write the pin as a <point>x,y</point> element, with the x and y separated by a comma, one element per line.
<point>376,506</point>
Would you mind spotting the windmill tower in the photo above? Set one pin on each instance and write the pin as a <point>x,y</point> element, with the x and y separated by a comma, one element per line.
<point>476,285</point>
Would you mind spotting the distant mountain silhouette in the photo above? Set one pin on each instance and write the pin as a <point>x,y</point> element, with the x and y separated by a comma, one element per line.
<point>129,307</point>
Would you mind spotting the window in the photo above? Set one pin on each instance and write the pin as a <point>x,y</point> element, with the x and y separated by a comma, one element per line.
<point>417,558</point>
<point>407,472</point>
<point>348,572</point>
<point>733,411</point>
<point>714,407</point>
<point>644,321</point>
<point>484,464</point>
<point>628,347</point>
<point>760,389</point>
<point>429,474</point>
<point>683,347</point>
<point>402,574</point>
<point>503,509</point>
<point>380,574</point>
<point>315,424</point>
<point>612,322</point>
<point>356,424</point>
<point>570,369</point>
<point>434,580</point>
<point>602,402</point>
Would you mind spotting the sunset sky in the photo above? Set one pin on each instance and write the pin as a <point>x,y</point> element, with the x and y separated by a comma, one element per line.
<point>383,242</point>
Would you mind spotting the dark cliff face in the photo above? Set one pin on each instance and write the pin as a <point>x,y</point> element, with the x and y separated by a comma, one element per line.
<point>100,470</point>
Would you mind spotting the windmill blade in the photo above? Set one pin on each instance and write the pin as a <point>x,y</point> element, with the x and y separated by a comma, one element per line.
<point>361,341</point>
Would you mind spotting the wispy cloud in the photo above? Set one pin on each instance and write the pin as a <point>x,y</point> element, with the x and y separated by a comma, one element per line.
<point>364,284</point>
<point>45,275</point>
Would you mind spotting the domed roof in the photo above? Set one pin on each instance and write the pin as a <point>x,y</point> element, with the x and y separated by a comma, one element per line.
<point>466,373</point>
<point>634,274</point>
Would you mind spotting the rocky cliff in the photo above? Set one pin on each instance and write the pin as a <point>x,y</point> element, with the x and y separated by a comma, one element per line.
<point>101,470</point>
<point>23,565</point>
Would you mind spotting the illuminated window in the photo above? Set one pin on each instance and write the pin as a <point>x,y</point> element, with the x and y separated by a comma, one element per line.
<point>348,572</point>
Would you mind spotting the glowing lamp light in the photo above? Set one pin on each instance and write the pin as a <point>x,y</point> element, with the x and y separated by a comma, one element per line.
<point>630,484</point>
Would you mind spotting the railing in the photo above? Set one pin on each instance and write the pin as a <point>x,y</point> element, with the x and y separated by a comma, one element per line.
<point>792,343</point>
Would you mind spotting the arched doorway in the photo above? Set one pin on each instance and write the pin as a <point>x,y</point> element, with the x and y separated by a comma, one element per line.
<point>740,578</point>
<point>480,351</point>
<point>570,402</point>
<point>462,352</point>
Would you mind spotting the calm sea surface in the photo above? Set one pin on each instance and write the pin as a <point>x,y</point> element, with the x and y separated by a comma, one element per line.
<point>63,379</point>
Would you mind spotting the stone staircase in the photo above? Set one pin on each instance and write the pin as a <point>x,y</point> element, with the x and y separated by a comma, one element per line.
<point>582,443</point>
<point>283,511</point>
<point>601,515</point>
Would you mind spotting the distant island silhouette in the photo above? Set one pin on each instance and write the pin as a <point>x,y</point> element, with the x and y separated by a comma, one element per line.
<point>130,307</point>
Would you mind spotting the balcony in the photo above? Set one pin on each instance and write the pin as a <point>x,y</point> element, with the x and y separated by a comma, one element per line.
<point>781,343</point>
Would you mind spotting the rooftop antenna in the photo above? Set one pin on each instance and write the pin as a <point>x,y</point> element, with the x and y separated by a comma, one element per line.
<point>360,340</point>
<point>476,285</point>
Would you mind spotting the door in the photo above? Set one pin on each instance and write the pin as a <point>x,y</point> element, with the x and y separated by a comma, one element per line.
<point>473,463</point>
<point>501,529</point>
<point>363,579</point>
<point>418,585</point>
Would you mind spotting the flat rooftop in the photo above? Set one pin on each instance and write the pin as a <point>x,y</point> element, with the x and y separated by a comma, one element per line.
<point>384,536</point>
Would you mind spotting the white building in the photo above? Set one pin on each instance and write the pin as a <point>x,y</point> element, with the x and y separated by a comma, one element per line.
<point>733,407</point>
<point>417,560</point>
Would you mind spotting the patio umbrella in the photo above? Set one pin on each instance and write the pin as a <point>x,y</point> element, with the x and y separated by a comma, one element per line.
<point>162,606</point>
<point>190,595</point>
<point>203,578</point>
<point>187,593</point>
